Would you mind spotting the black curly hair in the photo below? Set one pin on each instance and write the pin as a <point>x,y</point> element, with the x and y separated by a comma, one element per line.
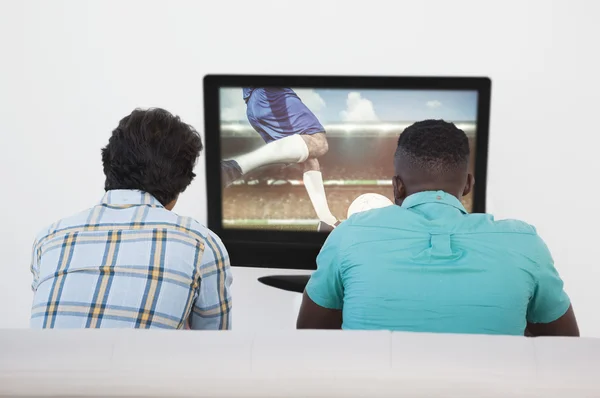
<point>433,146</point>
<point>151,151</point>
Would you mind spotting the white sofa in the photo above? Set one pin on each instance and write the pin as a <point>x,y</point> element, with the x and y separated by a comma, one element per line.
<point>127,363</point>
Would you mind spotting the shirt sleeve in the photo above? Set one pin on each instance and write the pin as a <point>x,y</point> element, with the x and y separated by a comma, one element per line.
<point>35,266</point>
<point>212,307</point>
<point>549,301</point>
<point>325,286</point>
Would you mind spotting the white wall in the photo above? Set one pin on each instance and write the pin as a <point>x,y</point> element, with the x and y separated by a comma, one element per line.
<point>70,69</point>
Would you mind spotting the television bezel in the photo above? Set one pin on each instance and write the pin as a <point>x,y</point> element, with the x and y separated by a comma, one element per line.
<point>295,249</point>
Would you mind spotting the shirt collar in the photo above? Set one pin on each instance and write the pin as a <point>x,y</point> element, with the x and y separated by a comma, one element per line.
<point>126,198</point>
<point>433,197</point>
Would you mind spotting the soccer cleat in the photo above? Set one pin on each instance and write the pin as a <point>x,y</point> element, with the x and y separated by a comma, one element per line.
<point>324,227</point>
<point>230,172</point>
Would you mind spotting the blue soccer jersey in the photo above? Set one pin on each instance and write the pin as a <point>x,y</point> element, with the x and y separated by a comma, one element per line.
<point>276,113</point>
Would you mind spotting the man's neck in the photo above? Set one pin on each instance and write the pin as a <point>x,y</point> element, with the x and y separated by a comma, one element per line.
<point>417,191</point>
<point>457,193</point>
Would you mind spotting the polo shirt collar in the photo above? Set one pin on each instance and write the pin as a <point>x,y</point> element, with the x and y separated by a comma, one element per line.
<point>126,197</point>
<point>440,197</point>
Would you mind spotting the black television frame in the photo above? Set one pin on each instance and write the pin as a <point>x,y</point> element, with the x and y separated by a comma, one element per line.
<point>294,249</point>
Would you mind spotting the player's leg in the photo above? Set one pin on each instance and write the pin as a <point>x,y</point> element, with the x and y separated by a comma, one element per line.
<point>295,148</point>
<point>313,180</point>
<point>290,149</point>
<point>280,117</point>
<point>283,143</point>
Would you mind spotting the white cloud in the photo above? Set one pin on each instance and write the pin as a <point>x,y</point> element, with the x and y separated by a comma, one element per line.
<point>233,107</point>
<point>433,104</point>
<point>358,109</point>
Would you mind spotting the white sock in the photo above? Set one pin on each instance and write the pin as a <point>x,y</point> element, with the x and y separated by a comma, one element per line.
<point>313,182</point>
<point>290,149</point>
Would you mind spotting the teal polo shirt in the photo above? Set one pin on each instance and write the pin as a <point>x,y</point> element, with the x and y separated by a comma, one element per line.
<point>429,266</point>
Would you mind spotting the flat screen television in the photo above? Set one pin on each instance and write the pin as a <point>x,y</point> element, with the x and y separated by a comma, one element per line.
<point>263,133</point>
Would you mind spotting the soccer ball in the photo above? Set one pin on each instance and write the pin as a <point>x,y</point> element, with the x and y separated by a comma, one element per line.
<point>368,201</point>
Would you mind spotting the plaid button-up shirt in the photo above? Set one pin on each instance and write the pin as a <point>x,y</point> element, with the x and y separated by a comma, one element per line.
<point>130,263</point>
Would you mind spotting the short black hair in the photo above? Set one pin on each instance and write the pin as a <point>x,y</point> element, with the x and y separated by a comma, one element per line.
<point>152,151</point>
<point>434,146</point>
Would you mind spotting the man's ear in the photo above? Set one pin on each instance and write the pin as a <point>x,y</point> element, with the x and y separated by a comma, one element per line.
<point>399,190</point>
<point>469,184</point>
<point>171,204</point>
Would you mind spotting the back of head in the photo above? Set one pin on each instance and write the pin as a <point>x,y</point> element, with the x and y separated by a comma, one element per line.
<point>432,155</point>
<point>151,151</point>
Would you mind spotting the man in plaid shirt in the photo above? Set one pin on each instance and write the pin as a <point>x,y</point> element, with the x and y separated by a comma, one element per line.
<point>130,262</point>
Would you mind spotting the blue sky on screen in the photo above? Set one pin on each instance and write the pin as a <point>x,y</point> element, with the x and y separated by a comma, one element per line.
<point>356,106</point>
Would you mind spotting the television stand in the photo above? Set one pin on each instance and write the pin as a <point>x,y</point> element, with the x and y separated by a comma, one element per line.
<point>291,283</point>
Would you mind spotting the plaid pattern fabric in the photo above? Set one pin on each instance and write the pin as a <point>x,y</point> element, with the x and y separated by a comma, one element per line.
<point>130,263</point>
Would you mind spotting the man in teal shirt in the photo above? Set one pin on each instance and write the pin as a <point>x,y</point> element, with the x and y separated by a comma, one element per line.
<point>426,265</point>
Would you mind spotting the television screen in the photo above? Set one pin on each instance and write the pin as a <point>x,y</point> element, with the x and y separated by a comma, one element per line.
<point>350,135</point>
<point>288,158</point>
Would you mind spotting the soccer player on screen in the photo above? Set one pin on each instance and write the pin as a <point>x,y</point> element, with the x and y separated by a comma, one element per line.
<point>292,134</point>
